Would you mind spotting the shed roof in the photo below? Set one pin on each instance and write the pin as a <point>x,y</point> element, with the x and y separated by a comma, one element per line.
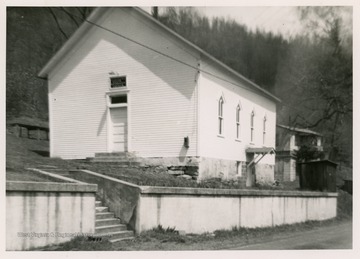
<point>260,150</point>
<point>300,130</point>
<point>100,11</point>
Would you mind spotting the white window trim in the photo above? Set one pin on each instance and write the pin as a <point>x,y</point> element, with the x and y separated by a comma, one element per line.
<point>238,124</point>
<point>252,127</point>
<point>221,117</point>
<point>118,105</point>
<point>264,130</point>
<point>116,92</point>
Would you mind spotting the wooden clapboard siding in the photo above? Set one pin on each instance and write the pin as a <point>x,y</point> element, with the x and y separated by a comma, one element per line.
<point>162,100</point>
<point>226,146</point>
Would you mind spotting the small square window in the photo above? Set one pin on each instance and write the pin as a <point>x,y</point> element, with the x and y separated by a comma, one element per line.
<point>118,99</point>
<point>119,81</point>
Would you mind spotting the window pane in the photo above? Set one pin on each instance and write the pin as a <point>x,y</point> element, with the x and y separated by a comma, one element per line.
<point>221,107</point>
<point>118,81</point>
<point>220,126</point>
<point>118,99</point>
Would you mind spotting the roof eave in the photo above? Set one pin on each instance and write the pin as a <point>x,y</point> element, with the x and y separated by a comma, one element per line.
<point>208,55</point>
<point>101,10</point>
<point>85,26</point>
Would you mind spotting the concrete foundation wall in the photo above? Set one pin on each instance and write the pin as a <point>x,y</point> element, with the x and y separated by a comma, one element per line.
<point>264,173</point>
<point>168,161</point>
<point>40,214</point>
<point>213,167</point>
<point>285,169</point>
<point>232,169</point>
<point>203,211</point>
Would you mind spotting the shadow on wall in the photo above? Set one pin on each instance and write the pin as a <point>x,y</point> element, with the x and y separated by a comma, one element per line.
<point>102,122</point>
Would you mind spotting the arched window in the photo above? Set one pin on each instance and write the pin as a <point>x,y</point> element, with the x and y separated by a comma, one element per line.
<point>264,130</point>
<point>252,126</point>
<point>238,122</point>
<point>221,116</point>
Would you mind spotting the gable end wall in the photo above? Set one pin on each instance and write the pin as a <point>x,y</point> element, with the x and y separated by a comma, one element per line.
<point>162,92</point>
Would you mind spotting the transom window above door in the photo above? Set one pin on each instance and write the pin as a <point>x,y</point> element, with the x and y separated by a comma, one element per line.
<point>118,99</point>
<point>118,81</point>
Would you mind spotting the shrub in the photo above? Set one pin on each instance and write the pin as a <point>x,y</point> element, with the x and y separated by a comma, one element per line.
<point>309,152</point>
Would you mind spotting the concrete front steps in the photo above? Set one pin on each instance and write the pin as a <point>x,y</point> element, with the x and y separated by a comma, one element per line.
<point>107,226</point>
<point>120,158</point>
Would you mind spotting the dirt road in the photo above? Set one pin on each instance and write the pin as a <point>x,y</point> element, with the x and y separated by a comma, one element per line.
<point>330,237</point>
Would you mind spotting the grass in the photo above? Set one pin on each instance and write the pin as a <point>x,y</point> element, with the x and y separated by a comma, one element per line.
<point>161,238</point>
<point>79,244</point>
<point>344,205</point>
<point>31,176</point>
<point>22,153</point>
<point>151,177</point>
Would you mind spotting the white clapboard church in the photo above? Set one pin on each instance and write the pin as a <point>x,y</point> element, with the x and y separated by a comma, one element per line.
<point>126,83</point>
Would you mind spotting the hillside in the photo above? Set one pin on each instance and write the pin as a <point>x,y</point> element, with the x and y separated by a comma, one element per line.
<point>23,153</point>
<point>311,73</point>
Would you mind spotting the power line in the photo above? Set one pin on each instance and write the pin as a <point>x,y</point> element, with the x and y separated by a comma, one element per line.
<point>166,55</point>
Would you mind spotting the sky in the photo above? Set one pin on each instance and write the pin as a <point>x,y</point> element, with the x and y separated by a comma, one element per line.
<point>277,19</point>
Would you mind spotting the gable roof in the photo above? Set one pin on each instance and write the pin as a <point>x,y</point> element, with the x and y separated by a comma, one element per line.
<point>299,130</point>
<point>97,14</point>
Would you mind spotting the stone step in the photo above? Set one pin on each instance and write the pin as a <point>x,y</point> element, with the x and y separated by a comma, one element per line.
<point>117,162</point>
<point>115,154</point>
<point>110,158</point>
<point>110,229</point>
<point>106,222</point>
<point>124,234</point>
<point>121,239</point>
<point>104,215</point>
<point>102,209</point>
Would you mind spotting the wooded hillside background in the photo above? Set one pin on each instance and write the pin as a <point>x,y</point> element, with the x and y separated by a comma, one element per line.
<point>311,73</point>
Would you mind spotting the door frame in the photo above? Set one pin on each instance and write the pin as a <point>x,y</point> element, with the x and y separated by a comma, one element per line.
<point>109,94</point>
<point>111,128</point>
